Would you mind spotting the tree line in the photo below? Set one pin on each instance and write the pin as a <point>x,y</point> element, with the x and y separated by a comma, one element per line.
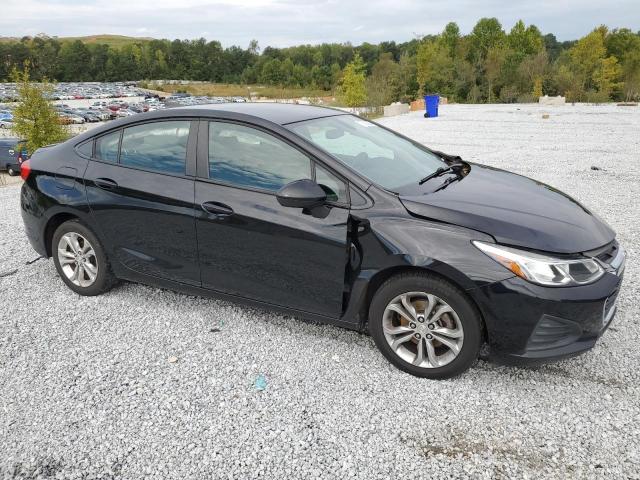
<point>489,64</point>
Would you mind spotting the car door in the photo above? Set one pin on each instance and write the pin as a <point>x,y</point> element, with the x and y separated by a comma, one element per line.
<point>249,245</point>
<point>141,190</point>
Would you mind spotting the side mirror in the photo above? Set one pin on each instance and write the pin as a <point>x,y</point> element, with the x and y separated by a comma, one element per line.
<point>301,194</point>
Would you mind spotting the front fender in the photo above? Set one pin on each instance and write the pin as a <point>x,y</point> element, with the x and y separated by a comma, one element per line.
<point>389,245</point>
<point>444,248</point>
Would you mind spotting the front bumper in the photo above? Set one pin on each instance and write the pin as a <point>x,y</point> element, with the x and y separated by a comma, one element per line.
<point>529,324</point>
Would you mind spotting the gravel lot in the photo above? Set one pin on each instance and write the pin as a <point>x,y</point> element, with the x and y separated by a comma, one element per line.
<point>89,388</point>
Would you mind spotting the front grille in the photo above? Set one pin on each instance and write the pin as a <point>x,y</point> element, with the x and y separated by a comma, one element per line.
<point>605,254</point>
<point>611,255</point>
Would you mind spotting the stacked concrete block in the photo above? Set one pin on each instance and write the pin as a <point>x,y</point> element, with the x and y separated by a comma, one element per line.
<point>547,100</point>
<point>396,109</point>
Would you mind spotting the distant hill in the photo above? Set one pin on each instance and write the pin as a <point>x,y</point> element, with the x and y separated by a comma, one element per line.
<point>112,40</point>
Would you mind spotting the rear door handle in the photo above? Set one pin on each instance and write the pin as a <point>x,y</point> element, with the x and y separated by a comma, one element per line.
<point>218,209</point>
<point>105,183</point>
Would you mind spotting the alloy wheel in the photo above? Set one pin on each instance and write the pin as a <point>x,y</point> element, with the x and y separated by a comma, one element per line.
<point>77,259</point>
<point>422,329</point>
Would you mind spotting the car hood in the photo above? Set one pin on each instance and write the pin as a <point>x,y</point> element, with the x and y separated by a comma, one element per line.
<point>515,210</point>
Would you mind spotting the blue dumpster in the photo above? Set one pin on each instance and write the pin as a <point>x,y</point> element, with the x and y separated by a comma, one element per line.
<point>431,104</point>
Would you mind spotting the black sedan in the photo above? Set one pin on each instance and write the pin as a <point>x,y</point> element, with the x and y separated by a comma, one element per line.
<point>328,217</point>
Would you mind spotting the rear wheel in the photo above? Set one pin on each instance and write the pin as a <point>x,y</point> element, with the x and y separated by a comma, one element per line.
<point>80,259</point>
<point>12,171</point>
<point>425,326</point>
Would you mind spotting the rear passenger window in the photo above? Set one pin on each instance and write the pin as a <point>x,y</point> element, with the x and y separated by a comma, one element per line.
<point>85,149</point>
<point>107,147</point>
<point>160,146</point>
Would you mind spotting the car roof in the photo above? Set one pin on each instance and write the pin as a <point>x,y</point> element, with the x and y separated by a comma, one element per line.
<point>280,113</point>
<point>274,113</point>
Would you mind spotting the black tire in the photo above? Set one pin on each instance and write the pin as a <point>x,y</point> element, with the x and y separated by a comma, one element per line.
<point>11,171</point>
<point>468,316</point>
<point>104,280</point>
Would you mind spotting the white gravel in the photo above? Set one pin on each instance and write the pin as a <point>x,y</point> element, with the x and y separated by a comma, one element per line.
<point>89,388</point>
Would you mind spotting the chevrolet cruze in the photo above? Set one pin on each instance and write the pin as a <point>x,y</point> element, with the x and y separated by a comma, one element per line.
<point>326,216</point>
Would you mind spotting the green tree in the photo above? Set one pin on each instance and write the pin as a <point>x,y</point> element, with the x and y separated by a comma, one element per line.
<point>383,81</point>
<point>450,38</point>
<point>74,62</point>
<point>286,71</point>
<point>531,70</point>
<point>434,67</point>
<point>537,88</point>
<point>586,56</point>
<point>406,85</point>
<point>472,67</point>
<point>34,118</point>
<point>493,66</point>
<point>631,75</point>
<point>566,83</point>
<point>353,91</point>
<point>621,41</point>
<point>272,72</point>
<point>525,40</point>
<point>606,76</point>
<point>486,35</point>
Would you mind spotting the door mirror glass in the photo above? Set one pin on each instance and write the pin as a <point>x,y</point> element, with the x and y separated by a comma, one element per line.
<point>301,194</point>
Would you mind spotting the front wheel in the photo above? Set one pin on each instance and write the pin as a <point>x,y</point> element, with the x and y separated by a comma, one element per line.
<point>425,326</point>
<point>11,171</point>
<point>80,259</point>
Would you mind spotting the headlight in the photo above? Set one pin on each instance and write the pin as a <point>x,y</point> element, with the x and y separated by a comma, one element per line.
<point>544,270</point>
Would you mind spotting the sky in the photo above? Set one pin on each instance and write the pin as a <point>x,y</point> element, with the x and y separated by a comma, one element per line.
<point>282,23</point>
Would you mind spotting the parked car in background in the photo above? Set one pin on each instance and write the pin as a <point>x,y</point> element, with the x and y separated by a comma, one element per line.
<point>6,115</point>
<point>327,216</point>
<point>6,124</point>
<point>103,115</point>
<point>125,112</point>
<point>13,153</point>
<point>69,118</point>
<point>88,115</point>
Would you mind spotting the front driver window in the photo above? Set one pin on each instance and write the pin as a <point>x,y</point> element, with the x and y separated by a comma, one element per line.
<point>248,157</point>
<point>335,188</point>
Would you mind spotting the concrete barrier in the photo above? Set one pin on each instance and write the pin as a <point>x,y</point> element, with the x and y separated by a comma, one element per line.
<point>396,109</point>
<point>547,100</point>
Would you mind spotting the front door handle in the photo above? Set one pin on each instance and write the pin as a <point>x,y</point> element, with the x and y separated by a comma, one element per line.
<point>218,209</point>
<point>106,183</point>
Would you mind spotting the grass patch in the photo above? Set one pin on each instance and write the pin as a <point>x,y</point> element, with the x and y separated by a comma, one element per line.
<point>235,90</point>
<point>115,41</point>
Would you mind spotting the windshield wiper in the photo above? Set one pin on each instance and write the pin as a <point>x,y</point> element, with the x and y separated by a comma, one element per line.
<point>454,167</point>
<point>446,183</point>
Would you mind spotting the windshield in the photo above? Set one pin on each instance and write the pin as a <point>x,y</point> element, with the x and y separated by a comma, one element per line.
<point>377,154</point>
